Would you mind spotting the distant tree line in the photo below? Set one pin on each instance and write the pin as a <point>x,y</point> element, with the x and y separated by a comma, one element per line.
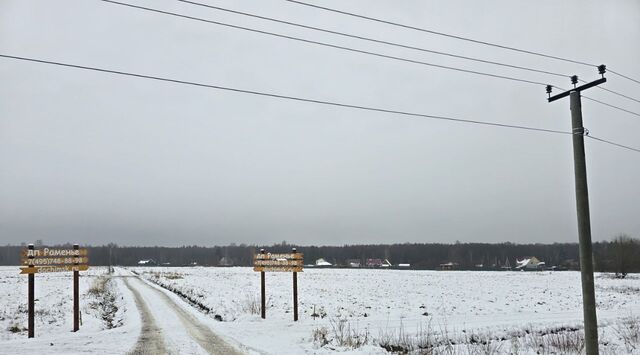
<point>620,255</point>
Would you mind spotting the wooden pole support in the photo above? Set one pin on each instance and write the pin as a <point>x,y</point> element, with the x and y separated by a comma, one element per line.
<point>31,296</point>
<point>295,292</point>
<point>76,296</point>
<point>584,228</point>
<point>263,298</point>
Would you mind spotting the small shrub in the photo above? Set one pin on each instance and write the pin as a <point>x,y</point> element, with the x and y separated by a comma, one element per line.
<point>251,303</point>
<point>482,344</point>
<point>104,302</point>
<point>345,336</point>
<point>399,343</point>
<point>172,275</point>
<point>425,339</point>
<point>628,330</point>
<point>565,342</point>
<point>320,336</point>
<point>98,286</point>
<point>320,312</point>
<point>15,329</point>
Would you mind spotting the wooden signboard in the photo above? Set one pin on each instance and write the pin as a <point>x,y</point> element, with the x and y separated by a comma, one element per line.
<point>283,262</point>
<point>280,256</point>
<point>292,262</point>
<point>53,260</point>
<point>53,252</point>
<point>59,268</point>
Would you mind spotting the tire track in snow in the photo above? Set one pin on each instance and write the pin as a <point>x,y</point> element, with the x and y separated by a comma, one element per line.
<point>151,338</point>
<point>197,330</point>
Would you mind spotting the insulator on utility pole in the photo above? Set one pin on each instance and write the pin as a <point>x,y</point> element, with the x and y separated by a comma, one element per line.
<point>602,69</point>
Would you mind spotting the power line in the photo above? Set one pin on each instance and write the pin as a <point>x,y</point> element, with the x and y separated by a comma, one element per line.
<point>614,143</point>
<point>350,49</point>
<point>328,44</point>
<point>374,40</point>
<point>286,97</point>
<point>612,106</point>
<point>492,44</point>
<point>301,99</point>
<point>619,94</point>
<point>624,76</point>
<point>442,33</point>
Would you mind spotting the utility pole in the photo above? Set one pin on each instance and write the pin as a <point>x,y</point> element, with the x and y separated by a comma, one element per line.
<point>582,204</point>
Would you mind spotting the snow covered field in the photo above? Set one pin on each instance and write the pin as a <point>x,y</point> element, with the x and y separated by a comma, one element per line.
<point>346,310</point>
<point>379,303</point>
<point>54,312</point>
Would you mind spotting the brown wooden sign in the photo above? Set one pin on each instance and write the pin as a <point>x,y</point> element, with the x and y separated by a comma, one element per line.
<point>55,261</point>
<point>278,268</point>
<point>290,262</point>
<point>53,253</point>
<point>61,268</point>
<point>281,256</point>
<point>278,262</point>
<point>283,262</point>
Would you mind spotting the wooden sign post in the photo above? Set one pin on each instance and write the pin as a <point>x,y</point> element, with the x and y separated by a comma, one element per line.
<point>76,294</point>
<point>53,260</point>
<point>264,262</point>
<point>32,289</point>
<point>295,291</point>
<point>263,293</point>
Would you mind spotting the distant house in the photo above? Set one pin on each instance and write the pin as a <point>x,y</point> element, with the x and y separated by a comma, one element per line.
<point>386,263</point>
<point>321,262</point>
<point>448,266</point>
<point>404,266</point>
<point>147,262</point>
<point>373,263</point>
<point>353,263</point>
<point>530,263</point>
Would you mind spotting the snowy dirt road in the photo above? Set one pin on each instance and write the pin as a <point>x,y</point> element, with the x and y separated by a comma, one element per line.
<point>168,328</point>
<point>150,340</point>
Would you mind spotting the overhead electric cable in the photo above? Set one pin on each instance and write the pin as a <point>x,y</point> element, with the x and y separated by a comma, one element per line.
<point>441,33</point>
<point>327,44</point>
<point>295,98</point>
<point>374,40</point>
<point>279,96</point>
<point>619,94</point>
<point>624,76</point>
<point>614,143</point>
<point>462,38</point>
<point>395,44</point>
<point>346,48</point>
<point>612,106</point>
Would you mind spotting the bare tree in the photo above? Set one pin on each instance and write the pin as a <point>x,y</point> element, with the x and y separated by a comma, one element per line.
<point>622,252</point>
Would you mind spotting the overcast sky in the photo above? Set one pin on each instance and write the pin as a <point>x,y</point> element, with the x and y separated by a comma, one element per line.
<point>95,158</point>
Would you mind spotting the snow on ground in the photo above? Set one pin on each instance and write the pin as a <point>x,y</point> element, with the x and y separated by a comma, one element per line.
<point>375,304</point>
<point>380,302</point>
<point>54,315</point>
